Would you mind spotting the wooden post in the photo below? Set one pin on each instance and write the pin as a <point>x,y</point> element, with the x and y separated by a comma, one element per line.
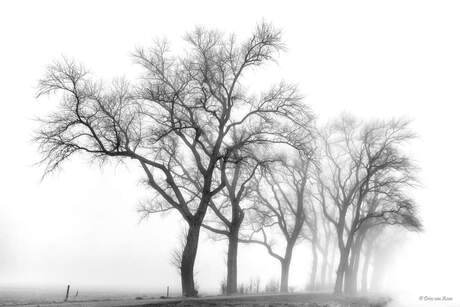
<point>67,293</point>
<point>167,291</point>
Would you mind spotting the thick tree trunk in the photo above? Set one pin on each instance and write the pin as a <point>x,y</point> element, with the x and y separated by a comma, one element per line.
<point>341,269</point>
<point>347,278</point>
<point>284,286</point>
<point>339,278</point>
<point>343,253</point>
<point>351,274</point>
<point>357,260</point>
<point>232,259</point>
<point>354,275</point>
<point>188,261</point>
<point>285,265</point>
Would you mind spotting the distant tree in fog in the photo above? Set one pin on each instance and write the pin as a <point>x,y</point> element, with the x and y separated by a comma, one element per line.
<point>361,161</point>
<point>368,244</point>
<point>319,234</point>
<point>312,234</point>
<point>386,209</point>
<point>384,249</point>
<point>183,121</point>
<point>372,234</point>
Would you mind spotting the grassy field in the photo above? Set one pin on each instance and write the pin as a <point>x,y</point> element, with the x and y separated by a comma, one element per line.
<point>268,300</point>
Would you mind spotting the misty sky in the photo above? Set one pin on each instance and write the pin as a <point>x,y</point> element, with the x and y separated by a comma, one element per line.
<point>371,59</point>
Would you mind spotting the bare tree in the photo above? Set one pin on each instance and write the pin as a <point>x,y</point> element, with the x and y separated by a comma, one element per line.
<point>385,211</point>
<point>279,201</point>
<point>181,114</point>
<point>229,211</point>
<point>238,176</point>
<point>361,160</point>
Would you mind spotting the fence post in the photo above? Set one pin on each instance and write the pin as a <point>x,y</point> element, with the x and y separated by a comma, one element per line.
<point>67,293</point>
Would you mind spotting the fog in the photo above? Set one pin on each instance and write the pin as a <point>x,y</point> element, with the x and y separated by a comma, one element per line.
<point>371,59</point>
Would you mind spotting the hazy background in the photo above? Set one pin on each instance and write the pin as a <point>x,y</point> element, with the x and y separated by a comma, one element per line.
<point>372,59</point>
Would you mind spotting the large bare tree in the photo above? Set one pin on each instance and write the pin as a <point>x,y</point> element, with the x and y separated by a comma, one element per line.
<point>177,120</point>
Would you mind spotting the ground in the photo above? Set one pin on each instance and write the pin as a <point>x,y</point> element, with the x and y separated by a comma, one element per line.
<point>267,300</point>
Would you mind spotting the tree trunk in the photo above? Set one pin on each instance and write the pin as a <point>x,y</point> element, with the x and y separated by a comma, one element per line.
<point>365,273</point>
<point>339,279</point>
<point>343,253</point>
<point>314,266</point>
<point>284,286</point>
<point>378,271</point>
<point>357,260</point>
<point>376,277</point>
<point>343,266</point>
<point>354,274</point>
<point>232,259</point>
<point>351,273</point>
<point>330,274</point>
<point>324,264</point>
<point>347,278</point>
<point>188,261</point>
<point>285,264</point>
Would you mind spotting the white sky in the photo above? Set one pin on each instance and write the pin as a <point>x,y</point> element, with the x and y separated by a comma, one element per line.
<point>372,59</point>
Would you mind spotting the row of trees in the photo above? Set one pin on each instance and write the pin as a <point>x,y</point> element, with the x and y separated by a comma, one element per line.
<point>246,166</point>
